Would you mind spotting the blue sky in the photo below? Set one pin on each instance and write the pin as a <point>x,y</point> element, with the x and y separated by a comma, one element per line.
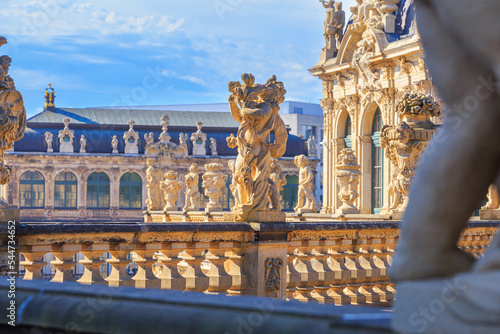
<point>154,52</point>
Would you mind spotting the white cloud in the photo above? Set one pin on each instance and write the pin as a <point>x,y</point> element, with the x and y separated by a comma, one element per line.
<point>26,79</point>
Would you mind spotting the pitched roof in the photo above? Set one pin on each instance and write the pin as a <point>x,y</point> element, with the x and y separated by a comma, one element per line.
<point>140,117</point>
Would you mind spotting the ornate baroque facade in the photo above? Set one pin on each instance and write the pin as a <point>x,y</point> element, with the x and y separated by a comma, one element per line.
<point>379,61</point>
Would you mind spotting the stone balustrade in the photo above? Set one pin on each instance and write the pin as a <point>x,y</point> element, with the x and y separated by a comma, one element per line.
<point>322,262</point>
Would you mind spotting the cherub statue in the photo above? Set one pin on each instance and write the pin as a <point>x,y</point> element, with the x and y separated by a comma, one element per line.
<point>149,139</point>
<point>114,144</point>
<point>192,193</point>
<point>83,144</point>
<point>306,200</point>
<point>213,146</point>
<point>49,137</point>
<point>278,181</point>
<point>156,199</point>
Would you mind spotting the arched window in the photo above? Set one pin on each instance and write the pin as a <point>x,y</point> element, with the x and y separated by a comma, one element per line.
<point>65,191</point>
<point>32,190</point>
<point>289,192</point>
<point>348,132</point>
<point>98,191</point>
<point>377,164</point>
<point>130,191</point>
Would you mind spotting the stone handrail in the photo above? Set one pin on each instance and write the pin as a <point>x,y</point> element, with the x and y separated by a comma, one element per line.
<point>324,262</point>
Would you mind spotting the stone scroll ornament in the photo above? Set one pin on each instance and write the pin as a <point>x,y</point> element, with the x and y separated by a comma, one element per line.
<point>12,116</point>
<point>273,277</point>
<point>405,143</point>
<point>348,173</point>
<point>256,108</point>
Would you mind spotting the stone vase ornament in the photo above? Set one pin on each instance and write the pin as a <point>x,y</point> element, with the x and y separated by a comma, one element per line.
<point>199,139</point>
<point>348,173</point>
<point>214,182</point>
<point>171,188</point>
<point>66,138</point>
<point>306,200</point>
<point>405,143</point>
<point>256,108</point>
<point>131,139</point>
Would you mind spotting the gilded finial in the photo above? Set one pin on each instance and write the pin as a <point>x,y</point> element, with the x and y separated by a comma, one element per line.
<point>49,98</point>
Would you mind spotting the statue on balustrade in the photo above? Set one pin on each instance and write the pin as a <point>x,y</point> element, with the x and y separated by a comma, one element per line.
<point>171,188</point>
<point>49,138</point>
<point>256,108</point>
<point>156,198</point>
<point>213,146</point>
<point>334,28</point>
<point>348,174</point>
<point>83,144</point>
<point>12,116</point>
<point>306,200</point>
<point>114,144</point>
<point>192,193</point>
<point>279,180</point>
<point>214,182</point>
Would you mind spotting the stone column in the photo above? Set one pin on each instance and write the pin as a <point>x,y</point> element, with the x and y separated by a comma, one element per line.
<point>365,158</point>
<point>338,145</point>
<point>114,191</point>
<point>49,175</point>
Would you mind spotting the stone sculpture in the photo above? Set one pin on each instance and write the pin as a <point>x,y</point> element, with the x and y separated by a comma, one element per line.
<point>165,150</point>
<point>311,147</point>
<point>66,137</point>
<point>49,137</point>
<point>149,139</point>
<point>199,139</point>
<point>405,143</point>
<point>279,181</point>
<point>306,200</point>
<point>83,144</point>
<point>131,139</point>
<point>256,108</point>
<point>334,28</point>
<point>214,182</point>
<point>348,174</point>
<point>171,188</point>
<point>114,144</point>
<point>213,146</point>
<point>491,210</point>
<point>164,136</point>
<point>156,199</point>
<point>453,177</point>
<point>192,193</point>
<point>12,116</point>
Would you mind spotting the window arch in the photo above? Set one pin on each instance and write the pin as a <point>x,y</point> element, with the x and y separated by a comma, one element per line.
<point>348,132</point>
<point>377,164</point>
<point>65,191</point>
<point>130,191</point>
<point>32,190</point>
<point>98,191</point>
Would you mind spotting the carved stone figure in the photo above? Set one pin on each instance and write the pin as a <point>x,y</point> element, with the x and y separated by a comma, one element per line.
<point>199,139</point>
<point>114,144</point>
<point>405,143</point>
<point>454,175</point>
<point>192,193</point>
<point>12,116</point>
<point>311,147</point>
<point>131,139</point>
<point>156,198</point>
<point>348,174</point>
<point>213,146</point>
<point>334,28</point>
<point>214,182</point>
<point>256,108</point>
<point>150,139</point>
<point>66,137</point>
<point>165,150</point>
<point>164,136</point>
<point>279,181</point>
<point>83,144</point>
<point>306,200</point>
<point>49,137</point>
<point>171,188</point>
<point>365,49</point>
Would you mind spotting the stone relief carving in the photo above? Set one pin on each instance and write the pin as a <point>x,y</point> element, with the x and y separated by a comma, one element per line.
<point>214,182</point>
<point>405,143</point>
<point>83,144</point>
<point>171,188</point>
<point>279,180</point>
<point>213,146</point>
<point>156,198</point>
<point>49,137</point>
<point>273,277</point>
<point>66,137</point>
<point>131,139</point>
<point>114,145</point>
<point>12,116</point>
<point>365,49</point>
<point>256,108</point>
<point>348,174</point>
<point>306,202</point>
<point>199,139</point>
<point>192,200</point>
<point>334,28</point>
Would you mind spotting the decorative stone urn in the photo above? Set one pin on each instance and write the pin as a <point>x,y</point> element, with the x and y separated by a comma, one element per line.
<point>131,139</point>
<point>66,137</point>
<point>214,182</point>
<point>405,143</point>
<point>199,139</point>
<point>171,188</point>
<point>348,174</point>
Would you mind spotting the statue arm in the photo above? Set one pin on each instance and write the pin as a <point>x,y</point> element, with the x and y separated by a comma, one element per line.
<point>280,138</point>
<point>235,111</point>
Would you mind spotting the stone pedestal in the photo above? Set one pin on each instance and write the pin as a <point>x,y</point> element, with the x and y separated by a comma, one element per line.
<point>489,214</point>
<point>257,217</point>
<point>265,265</point>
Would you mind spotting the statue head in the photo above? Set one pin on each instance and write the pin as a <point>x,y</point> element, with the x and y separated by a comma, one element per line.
<point>194,168</point>
<point>404,132</point>
<point>301,161</point>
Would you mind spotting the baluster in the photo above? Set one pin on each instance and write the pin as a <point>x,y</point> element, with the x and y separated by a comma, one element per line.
<point>64,262</point>
<point>145,277</point>
<point>235,269</point>
<point>170,277</point>
<point>119,261</point>
<point>33,262</point>
<point>92,262</point>
<point>196,280</point>
<point>320,292</point>
<point>219,281</point>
